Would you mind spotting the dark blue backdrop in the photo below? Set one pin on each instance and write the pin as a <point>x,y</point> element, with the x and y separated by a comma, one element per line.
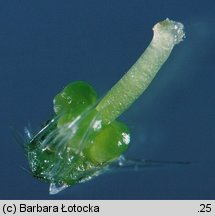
<point>46,44</point>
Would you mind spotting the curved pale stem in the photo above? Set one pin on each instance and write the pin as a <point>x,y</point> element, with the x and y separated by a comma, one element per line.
<point>166,34</point>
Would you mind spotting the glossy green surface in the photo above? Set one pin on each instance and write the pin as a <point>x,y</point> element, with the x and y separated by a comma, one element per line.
<point>109,143</point>
<point>78,145</point>
<point>74,100</point>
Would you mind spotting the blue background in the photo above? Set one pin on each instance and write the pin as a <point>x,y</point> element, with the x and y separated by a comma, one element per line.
<point>46,44</point>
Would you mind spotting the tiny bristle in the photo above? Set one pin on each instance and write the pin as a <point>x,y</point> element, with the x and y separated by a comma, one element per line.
<point>19,137</point>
